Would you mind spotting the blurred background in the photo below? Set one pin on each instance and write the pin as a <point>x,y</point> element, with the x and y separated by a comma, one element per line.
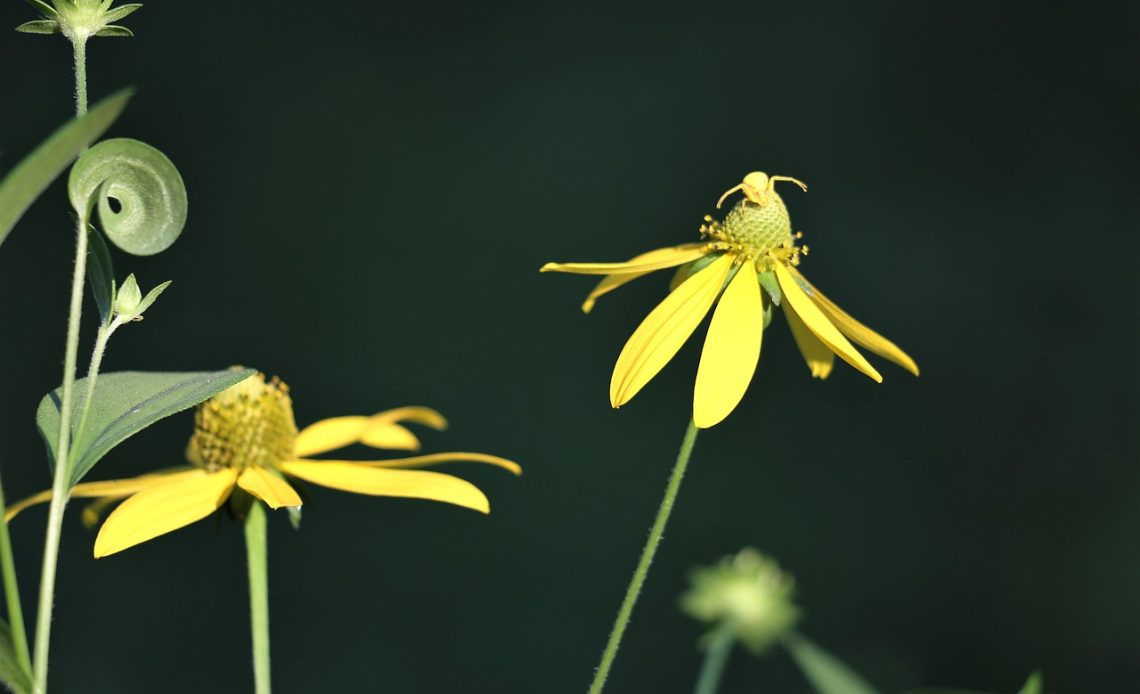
<point>373,189</point>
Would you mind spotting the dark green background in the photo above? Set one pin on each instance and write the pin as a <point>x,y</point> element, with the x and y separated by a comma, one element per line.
<point>372,192</point>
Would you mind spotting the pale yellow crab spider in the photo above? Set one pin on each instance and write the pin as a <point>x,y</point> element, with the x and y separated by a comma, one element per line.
<point>756,187</point>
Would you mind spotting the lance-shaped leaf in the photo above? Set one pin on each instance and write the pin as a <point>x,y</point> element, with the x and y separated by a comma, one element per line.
<point>15,677</point>
<point>824,671</point>
<point>100,274</point>
<point>124,404</point>
<point>23,184</point>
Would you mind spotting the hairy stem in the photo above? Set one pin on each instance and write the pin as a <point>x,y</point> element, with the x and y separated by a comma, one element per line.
<point>80,49</point>
<point>258,554</point>
<point>647,553</point>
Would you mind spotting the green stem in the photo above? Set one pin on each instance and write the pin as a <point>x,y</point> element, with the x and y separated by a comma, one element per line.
<point>717,650</point>
<point>61,483</point>
<point>80,48</point>
<point>647,553</point>
<point>12,592</point>
<point>104,334</point>
<point>256,550</point>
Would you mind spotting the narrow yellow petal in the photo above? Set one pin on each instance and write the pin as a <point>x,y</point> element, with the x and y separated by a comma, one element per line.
<point>112,489</point>
<point>411,484</point>
<point>859,333</point>
<point>665,330</point>
<point>163,508</point>
<point>329,434</point>
<point>612,282</point>
<point>269,487</point>
<point>391,436</point>
<point>819,358</point>
<point>662,258</point>
<point>732,349</point>
<point>796,300</point>
<point>454,457</point>
<point>415,414</point>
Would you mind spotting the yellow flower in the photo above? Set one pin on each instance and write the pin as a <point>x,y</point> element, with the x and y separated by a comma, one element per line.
<point>750,262</point>
<point>246,437</point>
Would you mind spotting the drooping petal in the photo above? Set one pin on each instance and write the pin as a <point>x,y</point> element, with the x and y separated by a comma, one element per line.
<point>329,434</point>
<point>391,436</point>
<point>451,457</point>
<point>819,358</point>
<point>411,484</point>
<point>859,333</point>
<point>796,300</point>
<point>612,282</point>
<point>731,350</point>
<point>163,508</point>
<point>661,258</point>
<point>412,413</point>
<point>665,330</point>
<point>269,487</point>
<point>111,489</point>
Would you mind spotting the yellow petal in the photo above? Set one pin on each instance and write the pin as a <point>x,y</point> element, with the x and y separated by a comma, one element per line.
<point>731,351</point>
<point>819,325</point>
<point>269,487</point>
<point>819,358</point>
<point>662,258</point>
<point>416,414</point>
<point>612,282</point>
<point>411,484</point>
<point>165,507</point>
<point>859,333</point>
<point>112,489</point>
<point>665,330</point>
<point>390,436</point>
<point>329,434</point>
<point>455,457</point>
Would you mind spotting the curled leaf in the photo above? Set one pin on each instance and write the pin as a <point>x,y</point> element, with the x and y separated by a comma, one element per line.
<point>138,191</point>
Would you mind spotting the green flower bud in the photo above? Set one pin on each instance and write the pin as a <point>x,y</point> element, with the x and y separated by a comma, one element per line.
<point>747,595</point>
<point>129,301</point>
<point>79,20</point>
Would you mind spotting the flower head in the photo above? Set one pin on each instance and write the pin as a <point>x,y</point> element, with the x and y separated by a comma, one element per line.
<point>744,265</point>
<point>79,20</point>
<point>746,594</point>
<point>245,438</point>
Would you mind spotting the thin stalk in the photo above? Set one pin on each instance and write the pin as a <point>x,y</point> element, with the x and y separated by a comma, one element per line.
<point>12,593</point>
<point>60,484</point>
<point>717,650</point>
<point>647,553</point>
<point>101,339</point>
<point>258,554</point>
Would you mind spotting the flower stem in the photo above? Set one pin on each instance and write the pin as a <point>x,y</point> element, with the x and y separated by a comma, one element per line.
<point>717,650</point>
<point>256,550</point>
<point>12,593</point>
<point>101,339</point>
<point>60,487</point>
<point>647,553</point>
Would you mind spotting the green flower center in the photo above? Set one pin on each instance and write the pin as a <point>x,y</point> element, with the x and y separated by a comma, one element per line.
<point>248,424</point>
<point>759,229</point>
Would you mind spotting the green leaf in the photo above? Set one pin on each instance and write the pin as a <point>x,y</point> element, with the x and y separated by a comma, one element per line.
<point>100,274</point>
<point>27,181</point>
<point>1034,685</point>
<point>120,12</point>
<point>124,404</point>
<point>40,26</point>
<point>139,193</point>
<point>115,30</point>
<point>44,8</point>
<point>824,671</point>
<point>14,676</point>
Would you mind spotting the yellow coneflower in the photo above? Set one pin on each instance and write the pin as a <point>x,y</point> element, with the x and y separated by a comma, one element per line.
<point>750,262</point>
<point>246,437</point>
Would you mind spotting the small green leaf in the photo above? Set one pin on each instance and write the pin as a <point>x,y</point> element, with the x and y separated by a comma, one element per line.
<point>770,285</point>
<point>124,404</point>
<point>44,8</point>
<point>1033,685</point>
<point>116,31</point>
<point>824,671</point>
<point>100,273</point>
<point>120,12</point>
<point>32,175</point>
<point>14,676</point>
<point>40,26</point>
<point>151,296</point>
<point>140,195</point>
